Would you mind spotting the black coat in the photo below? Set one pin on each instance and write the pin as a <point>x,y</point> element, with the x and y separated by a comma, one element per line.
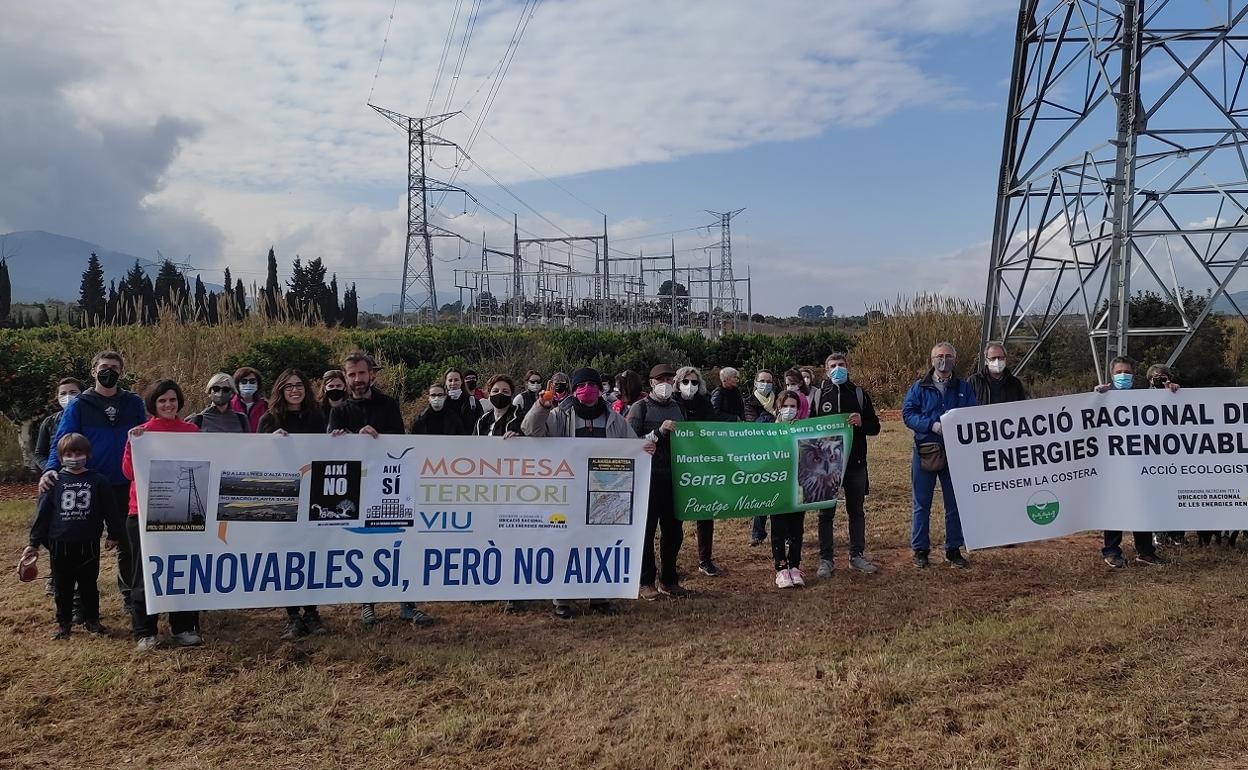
<point>1011,387</point>
<point>729,401</point>
<point>379,411</point>
<point>310,420</point>
<point>438,422</point>
<point>843,399</point>
<point>510,422</point>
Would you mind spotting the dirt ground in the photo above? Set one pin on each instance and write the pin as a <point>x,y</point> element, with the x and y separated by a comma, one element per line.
<point>1037,657</point>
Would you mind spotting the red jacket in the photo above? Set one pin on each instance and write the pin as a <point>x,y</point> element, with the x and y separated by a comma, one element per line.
<point>127,462</point>
<point>258,407</point>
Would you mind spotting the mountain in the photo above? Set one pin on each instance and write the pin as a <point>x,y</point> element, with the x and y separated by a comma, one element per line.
<point>49,266</point>
<point>1223,305</point>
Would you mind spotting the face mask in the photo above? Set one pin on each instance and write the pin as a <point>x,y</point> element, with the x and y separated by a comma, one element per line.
<point>662,391</point>
<point>454,394</point>
<point>587,394</point>
<point>561,387</point>
<point>996,365</point>
<point>839,375</point>
<point>1124,381</point>
<point>220,399</point>
<point>792,388</point>
<point>247,389</point>
<point>74,463</point>
<point>787,414</point>
<point>470,384</point>
<point>437,401</point>
<point>107,378</point>
<point>688,391</point>
<point>64,400</point>
<point>943,365</point>
<point>763,387</point>
<point>534,387</point>
<point>500,400</point>
<point>334,396</point>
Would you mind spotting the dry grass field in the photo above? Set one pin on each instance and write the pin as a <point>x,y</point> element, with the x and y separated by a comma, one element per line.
<point>1037,657</point>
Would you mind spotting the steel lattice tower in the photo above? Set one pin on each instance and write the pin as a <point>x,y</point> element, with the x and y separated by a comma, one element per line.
<point>726,295</point>
<point>1123,168</point>
<point>417,290</point>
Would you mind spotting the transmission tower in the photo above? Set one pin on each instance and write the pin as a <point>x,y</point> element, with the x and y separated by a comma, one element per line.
<point>726,288</point>
<point>1123,167</point>
<point>417,291</point>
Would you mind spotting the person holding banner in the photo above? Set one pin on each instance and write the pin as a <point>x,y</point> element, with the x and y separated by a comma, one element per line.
<point>927,400</point>
<point>219,416</point>
<point>760,406</point>
<point>589,417</point>
<point>699,408</point>
<point>839,395</point>
<point>163,401</point>
<point>292,410</point>
<point>369,412</point>
<point>654,418</point>
<point>1122,377</point>
<point>462,401</point>
<point>786,528</point>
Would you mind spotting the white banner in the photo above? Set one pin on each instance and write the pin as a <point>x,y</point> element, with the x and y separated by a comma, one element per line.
<point>231,521</point>
<point>1136,460</point>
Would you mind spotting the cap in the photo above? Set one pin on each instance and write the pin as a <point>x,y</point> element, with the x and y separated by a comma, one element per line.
<point>662,369</point>
<point>585,374</point>
<point>220,378</point>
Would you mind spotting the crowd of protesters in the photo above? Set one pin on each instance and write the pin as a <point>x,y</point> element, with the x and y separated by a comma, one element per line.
<point>87,490</point>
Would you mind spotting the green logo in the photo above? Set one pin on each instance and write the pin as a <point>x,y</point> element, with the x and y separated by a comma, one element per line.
<point>1042,507</point>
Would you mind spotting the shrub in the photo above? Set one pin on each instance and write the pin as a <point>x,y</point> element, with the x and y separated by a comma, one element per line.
<point>274,354</point>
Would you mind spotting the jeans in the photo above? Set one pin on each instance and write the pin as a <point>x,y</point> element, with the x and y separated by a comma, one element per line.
<point>661,516</point>
<point>1113,543</point>
<point>142,623</point>
<point>121,500</point>
<point>786,539</point>
<point>706,538</point>
<point>924,486</point>
<point>76,566</point>
<point>855,486</point>
<point>758,529</point>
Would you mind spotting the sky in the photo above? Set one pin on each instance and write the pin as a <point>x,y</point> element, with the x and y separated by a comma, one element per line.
<point>862,139</point>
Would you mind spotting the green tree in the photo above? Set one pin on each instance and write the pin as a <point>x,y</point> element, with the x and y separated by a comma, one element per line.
<point>240,300</point>
<point>170,287</point>
<point>351,308</point>
<point>272,288</point>
<point>91,296</point>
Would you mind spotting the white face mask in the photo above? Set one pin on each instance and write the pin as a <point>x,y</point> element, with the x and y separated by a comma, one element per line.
<point>688,391</point>
<point>662,391</point>
<point>455,394</point>
<point>437,401</point>
<point>763,388</point>
<point>996,365</point>
<point>534,387</point>
<point>788,414</point>
<point>64,400</point>
<point>247,390</point>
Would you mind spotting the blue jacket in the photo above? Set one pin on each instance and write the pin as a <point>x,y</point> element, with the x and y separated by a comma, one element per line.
<point>924,405</point>
<point>87,414</point>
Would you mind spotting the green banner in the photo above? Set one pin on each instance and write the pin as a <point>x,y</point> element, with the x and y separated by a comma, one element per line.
<point>728,470</point>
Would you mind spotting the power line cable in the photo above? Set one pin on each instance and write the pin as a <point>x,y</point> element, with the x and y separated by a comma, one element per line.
<point>446,48</point>
<point>384,41</point>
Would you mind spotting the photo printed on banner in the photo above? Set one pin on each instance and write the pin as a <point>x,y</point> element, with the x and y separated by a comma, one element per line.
<point>175,495</point>
<point>258,496</point>
<point>820,468</point>
<point>394,500</point>
<point>334,496</point>
<point>610,491</point>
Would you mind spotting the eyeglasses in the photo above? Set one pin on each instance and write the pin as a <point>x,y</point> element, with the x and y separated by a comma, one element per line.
<point>664,378</point>
<point>688,382</point>
<point>945,355</point>
<point>293,386</point>
<point>249,381</point>
<point>220,389</point>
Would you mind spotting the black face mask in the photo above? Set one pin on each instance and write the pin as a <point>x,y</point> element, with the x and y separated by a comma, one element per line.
<point>1160,382</point>
<point>470,384</point>
<point>107,378</point>
<point>334,396</point>
<point>500,400</point>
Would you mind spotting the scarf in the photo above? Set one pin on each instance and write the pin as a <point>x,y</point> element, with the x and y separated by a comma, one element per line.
<point>768,402</point>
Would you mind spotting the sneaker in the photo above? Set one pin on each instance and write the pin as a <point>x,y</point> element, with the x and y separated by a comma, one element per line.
<point>316,627</point>
<point>295,629</point>
<point>920,559</point>
<point>62,631</point>
<point>563,611</point>
<point>1159,540</point>
<point>863,564</point>
<point>1116,561</point>
<point>784,579</point>
<point>78,618</point>
<point>825,568</point>
<point>188,639</point>
<point>420,618</point>
<point>95,627</point>
<point>603,608</point>
<point>674,590</point>
<point>649,593</point>
<point>513,607</point>
<point>368,614</point>
<point>799,580</point>
<point>1151,558</point>
<point>756,541</point>
<point>956,559</point>
<point>708,568</point>
<point>146,643</point>
<point>406,610</point>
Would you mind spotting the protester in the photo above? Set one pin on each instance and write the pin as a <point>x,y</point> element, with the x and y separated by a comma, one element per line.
<point>1158,377</point>
<point>104,414</point>
<point>70,518</point>
<point>470,386</point>
<point>697,406</point>
<point>1122,377</point>
<point>462,402</point>
<point>437,419</point>
<point>993,382</point>
<point>794,383</point>
<point>727,399</point>
<point>559,386</point>
<point>786,528</point>
<point>840,395</point>
<point>219,416</point>
<point>760,406</point>
<point>925,403</point>
<point>808,381</point>
<point>589,417</point>
<point>369,412</point>
<point>608,389</point>
<point>632,388</point>
<point>333,390</point>
<point>249,400</point>
<point>164,401</point>
<point>504,417</point>
<point>654,418</point>
<point>67,389</point>
<point>532,389</point>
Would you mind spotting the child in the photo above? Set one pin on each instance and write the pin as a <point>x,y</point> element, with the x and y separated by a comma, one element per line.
<point>786,528</point>
<point>70,520</point>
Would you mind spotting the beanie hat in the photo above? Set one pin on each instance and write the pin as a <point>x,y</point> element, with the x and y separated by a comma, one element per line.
<point>583,375</point>
<point>220,378</point>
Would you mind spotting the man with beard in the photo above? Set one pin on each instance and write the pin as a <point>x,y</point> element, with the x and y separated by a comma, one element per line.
<point>588,417</point>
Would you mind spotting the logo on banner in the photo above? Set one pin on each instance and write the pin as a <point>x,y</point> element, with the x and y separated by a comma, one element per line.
<point>1042,508</point>
<point>446,521</point>
<point>335,493</point>
<point>394,509</point>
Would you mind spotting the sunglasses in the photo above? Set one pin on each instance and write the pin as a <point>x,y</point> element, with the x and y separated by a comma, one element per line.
<point>220,389</point>
<point>535,382</point>
<point>688,382</point>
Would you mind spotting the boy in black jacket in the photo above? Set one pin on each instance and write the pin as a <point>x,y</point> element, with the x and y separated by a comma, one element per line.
<point>72,516</point>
